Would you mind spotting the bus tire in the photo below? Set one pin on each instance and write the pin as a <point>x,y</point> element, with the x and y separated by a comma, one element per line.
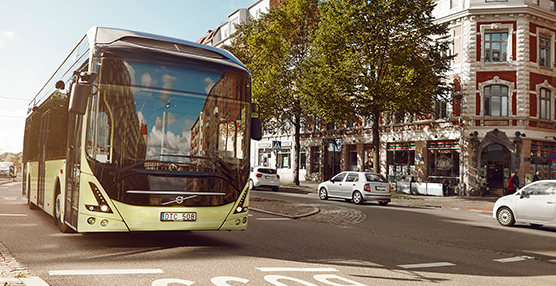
<point>62,226</point>
<point>31,205</point>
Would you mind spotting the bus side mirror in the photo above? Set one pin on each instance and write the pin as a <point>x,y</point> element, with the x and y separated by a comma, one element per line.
<point>80,93</point>
<point>256,126</point>
<point>256,129</point>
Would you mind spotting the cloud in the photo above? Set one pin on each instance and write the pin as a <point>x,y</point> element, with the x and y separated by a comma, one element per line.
<point>147,80</point>
<point>210,83</point>
<point>168,81</point>
<point>5,37</point>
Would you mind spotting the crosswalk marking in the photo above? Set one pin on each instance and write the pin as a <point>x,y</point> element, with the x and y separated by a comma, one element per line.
<point>426,265</point>
<point>513,259</point>
<point>103,271</point>
<point>292,269</point>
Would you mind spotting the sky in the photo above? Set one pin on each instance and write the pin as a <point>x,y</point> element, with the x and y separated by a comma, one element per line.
<point>37,35</point>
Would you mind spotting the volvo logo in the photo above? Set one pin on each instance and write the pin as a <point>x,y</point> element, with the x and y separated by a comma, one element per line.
<point>179,200</point>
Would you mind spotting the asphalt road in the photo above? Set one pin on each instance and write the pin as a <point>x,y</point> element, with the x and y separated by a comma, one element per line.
<point>342,244</point>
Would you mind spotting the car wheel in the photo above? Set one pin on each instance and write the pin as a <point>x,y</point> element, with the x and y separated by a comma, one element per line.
<point>251,185</point>
<point>505,216</point>
<point>383,203</point>
<point>357,198</point>
<point>275,189</point>
<point>323,195</point>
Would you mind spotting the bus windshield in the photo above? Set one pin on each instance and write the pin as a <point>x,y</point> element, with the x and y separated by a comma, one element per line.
<point>156,116</point>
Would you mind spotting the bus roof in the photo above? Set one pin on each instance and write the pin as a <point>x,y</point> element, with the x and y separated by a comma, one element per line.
<point>106,36</point>
<point>102,35</point>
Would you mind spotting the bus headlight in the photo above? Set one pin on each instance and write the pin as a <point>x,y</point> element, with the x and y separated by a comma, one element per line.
<point>102,204</point>
<point>241,208</point>
<point>91,220</point>
<point>104,222</point>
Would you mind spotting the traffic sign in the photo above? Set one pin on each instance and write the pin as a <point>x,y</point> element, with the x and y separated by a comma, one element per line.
<point>553,156</point>
<point>276,145</point>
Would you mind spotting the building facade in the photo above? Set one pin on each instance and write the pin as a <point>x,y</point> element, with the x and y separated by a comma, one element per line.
<point>501,119</point>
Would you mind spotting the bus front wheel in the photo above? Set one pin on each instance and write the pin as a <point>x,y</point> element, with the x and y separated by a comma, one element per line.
<point>58,220</point>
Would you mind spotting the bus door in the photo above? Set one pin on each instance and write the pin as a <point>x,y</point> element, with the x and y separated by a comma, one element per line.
<point>73,170</point>
<point>43,140</point>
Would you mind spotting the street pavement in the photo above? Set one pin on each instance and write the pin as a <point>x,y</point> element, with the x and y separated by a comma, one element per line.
<point>12,273</point>
<point>297,210</point>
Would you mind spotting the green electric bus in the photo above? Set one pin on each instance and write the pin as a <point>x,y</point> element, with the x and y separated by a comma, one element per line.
<point>140,132</point>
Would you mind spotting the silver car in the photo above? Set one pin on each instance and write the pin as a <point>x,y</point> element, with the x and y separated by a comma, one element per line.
<point>357,187</point>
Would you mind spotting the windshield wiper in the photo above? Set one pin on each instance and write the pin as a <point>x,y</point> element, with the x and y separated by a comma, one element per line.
<point>220,162</point>
<point>215,160</point>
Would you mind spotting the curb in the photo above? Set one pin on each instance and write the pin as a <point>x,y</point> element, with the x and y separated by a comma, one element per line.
<point>313,212</point>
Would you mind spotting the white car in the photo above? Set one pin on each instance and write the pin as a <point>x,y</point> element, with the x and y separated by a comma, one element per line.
<point>264,177</point>
<point>357,187</point>
<point>534,204</point>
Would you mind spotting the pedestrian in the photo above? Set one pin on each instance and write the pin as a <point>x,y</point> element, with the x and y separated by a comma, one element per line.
<point>515,182</point>
<point>536,176</point>
<point>511,188</point>
<point>445,186</point>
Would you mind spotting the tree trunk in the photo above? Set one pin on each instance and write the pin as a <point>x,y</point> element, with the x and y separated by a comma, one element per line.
<point>296,147</point>
<point>376,141</point>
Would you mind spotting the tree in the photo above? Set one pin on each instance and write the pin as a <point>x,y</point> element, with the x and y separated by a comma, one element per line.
<point>375,57</point>
<point>274,48</point>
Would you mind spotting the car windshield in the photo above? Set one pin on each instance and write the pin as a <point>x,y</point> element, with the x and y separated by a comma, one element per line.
<point>374,178</point>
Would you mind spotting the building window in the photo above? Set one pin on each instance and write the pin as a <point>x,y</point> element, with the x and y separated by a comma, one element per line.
<point>315,160</point>
<point>441,108</point>
<point>544,104</point>
<point>552,5</point>
<point>540,158</point>
<point>496,100</point>
<point>454,4</point>
<point>536,2</point>
<point>302,159</point>
<point>544,52</point>
<point>496,47</point>
<point>401,161</point>
<point>283,160</point>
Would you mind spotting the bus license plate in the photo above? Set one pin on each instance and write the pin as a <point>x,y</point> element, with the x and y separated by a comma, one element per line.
<point>178,216</point>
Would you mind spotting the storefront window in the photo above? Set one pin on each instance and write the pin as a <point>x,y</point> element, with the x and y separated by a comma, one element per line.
<point>302,159</point>
<point>368,160</point>
<point>352,157</point>
<point>443,161</point>
<point>540,158</point>
<point>315,160</point>
<point>401,161</point>
<point>283,160</point>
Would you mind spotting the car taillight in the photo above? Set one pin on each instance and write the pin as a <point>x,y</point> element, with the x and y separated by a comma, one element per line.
<point>277,176</point>
<point>367,188</point>
<point>258,175</point>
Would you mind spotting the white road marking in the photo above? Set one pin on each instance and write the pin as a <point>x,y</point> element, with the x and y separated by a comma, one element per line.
<point>103,272</point>
<point>290,269</point>
<point>426,265</point>
<point>13,214</point>
<point>11,184</point>
<point>513,259</point>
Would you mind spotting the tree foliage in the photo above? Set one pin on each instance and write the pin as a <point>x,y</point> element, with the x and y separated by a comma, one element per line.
<point>275,48</point>
<point>375,57</point>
